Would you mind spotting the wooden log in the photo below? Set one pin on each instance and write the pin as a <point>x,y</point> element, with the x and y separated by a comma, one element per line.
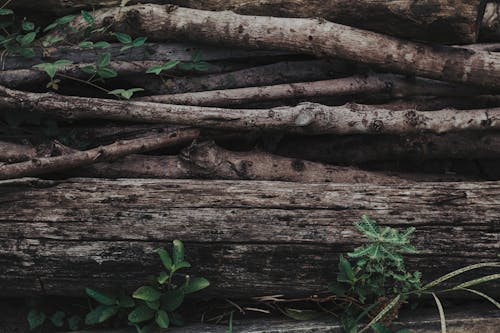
<point>248,238</point>
<point>393,85</point>
<point>306,118</point>
<point>438,21</point>
<point>357,149</point>
<point>277,73</point>
<point>311,36</point>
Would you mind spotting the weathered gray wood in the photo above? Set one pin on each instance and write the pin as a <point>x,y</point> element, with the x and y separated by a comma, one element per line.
<point>444,21</point>
<point>247,238</point>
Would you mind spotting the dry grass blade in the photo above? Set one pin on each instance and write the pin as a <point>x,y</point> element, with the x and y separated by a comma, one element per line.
<point>441,313</point>
<point>382,313</point>
<point>458,272</point>
<point>483,295</point>
<point>477,281</point>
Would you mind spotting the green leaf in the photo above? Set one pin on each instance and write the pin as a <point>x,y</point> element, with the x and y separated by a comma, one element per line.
<point>123,38</point>
<point>88,17</point>
<point>162,278</point>
<point>50,69</point>
<point>139,41</point>
<point>346,273</point>
<point>100,314</point>
<point>126,47</point>
<point>172,300</point>
<point>162,319</point>
<point>74,322</point>
<point>171,64</point>
<point>58,318</point>
<point>51,26</point>
<point>100,297</point>
<point>28,38</point>
<point>181,265</point>
<point>101,45</point>
<point>147,293</point>
<point>5,11</point>
<point>379,328</point>
<point>125,301</point>
<point>195,285</point>
<point>28,26</point>
<point>51,40</point>
<point>106,73</point>
<point>202,66</point>
<point>65,19</point>
<point>62,63</point>
<point>104,60</point>
<point>86,45</point>
<point>27,52</point>
<point>153,305</point>
<point>441,313</point>
<point>458,272</point>
<point>36,319</point>
<point>336,289</point>
<point>155,70</point>
<point>141,314</point>
<point>89,69</point>
<point>178,252</point>
<point>303,315</point>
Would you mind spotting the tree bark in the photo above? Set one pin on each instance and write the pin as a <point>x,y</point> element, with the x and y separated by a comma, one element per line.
<point>311,36</point>
<point>357,149</point>
<point>438,21</point>
<point>277,73</point>
<point>247,238</point>
<point>306,118</point>
<point>393,85</point>
<point>46,165</point>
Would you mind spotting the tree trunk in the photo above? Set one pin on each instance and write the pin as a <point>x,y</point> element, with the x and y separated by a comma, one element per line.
<point>248,238</point>
<point>312,36</point>
<point>306,118</point>
<point>436,20</point>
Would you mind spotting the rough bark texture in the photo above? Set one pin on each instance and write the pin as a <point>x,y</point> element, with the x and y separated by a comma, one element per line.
<point>12,152</point>
<point>312,36</point>
<point>393,85</point>
<point>306,118</point>
<point>45,165</point>
<point>281,72</point>
<point>437,20</point>
<point>248,238</point>
<point>355,149</point>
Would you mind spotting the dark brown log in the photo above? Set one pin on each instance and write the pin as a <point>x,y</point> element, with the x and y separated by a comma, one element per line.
<point>13,152</point>
<point>441,21</point>
<point>46,165</point>
<point>278,73</point>
<point>356,149</point>
<point>248,238</point>
<point>310,36</point>
<point>148,52</point>
<point>393,85</point>
<point>306,118</point>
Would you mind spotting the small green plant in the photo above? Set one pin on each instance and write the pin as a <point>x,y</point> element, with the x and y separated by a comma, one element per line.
<point>128,42</point>
<point>51,70</point>
<point>152,306</point>
<point>376,284</point>
<point>125,93</point>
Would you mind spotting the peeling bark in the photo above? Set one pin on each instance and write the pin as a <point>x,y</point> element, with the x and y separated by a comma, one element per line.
<point>248,238</point>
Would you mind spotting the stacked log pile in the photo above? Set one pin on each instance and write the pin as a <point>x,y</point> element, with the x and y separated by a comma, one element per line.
<point>306,115</point>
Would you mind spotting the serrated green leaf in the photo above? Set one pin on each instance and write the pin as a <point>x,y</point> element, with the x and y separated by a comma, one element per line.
<point>172,300</point>
<point>162,319</point>
<point>100,297</point>
<point>140,314</point>
<point>147,293</point>
<point>36,319</point>
<point>123,38</point>
<point>178,252</point>
<point>195,285</point>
